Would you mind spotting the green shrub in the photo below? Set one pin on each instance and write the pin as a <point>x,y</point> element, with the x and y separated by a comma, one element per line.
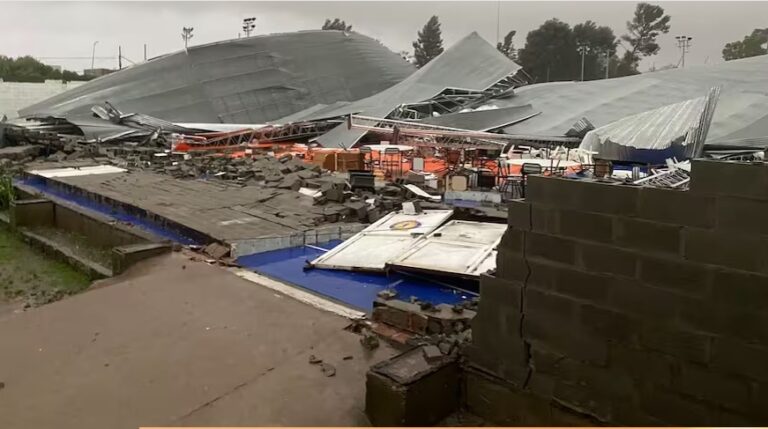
<point>7,192</point>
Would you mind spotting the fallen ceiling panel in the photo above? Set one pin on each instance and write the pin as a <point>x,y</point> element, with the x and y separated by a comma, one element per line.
<point>250,80</point>
<point>740,111</point>
<point>459,247</point>
<point>389,237</point>
<point>472,64</point>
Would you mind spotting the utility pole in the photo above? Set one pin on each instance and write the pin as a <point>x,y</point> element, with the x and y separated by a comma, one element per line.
<point>186,34</point>
<point>248,25</point>
<point>607,62</point>
<point>583,51</point>
<point>498,14</point>
<point>93,54</point>
<point>145,52</point>
<point>119,57</point>
<point>684,43</point>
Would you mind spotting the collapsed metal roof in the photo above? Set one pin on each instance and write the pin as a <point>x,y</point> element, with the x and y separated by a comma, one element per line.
<point>675,130</point>
<point>471,65</point>
<point>251,80</point>
<point>740,115</point>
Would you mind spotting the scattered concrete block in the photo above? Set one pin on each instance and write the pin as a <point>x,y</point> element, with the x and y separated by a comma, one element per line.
<point>216,250</point>
<point>16,153</point>
<point>432,353</point>
<point>409,390</point>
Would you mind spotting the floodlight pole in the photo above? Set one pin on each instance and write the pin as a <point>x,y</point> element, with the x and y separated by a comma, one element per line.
<point>186,34</point>
<point>684,43</point>
<point>583,51</point>
<point>249,24</point>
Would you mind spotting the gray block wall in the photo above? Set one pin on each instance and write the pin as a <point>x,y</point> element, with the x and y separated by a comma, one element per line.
<point>631,306</point>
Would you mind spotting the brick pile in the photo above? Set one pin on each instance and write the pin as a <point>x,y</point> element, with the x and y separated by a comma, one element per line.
<point>629,305</point>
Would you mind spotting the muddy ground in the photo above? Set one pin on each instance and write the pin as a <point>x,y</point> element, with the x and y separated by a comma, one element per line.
<point>30,278</point>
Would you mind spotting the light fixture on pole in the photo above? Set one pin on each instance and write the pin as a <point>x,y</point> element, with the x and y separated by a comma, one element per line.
<point>684,43</point>
<point>186,34</point>
<point>249,24</point>
<point>607,62</point>
<point>583,51</point>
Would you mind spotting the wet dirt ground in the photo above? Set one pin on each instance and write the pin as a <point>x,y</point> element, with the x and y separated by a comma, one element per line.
<point>175,342</point>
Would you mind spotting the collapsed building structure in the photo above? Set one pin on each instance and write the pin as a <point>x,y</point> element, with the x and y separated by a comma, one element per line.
<point>221,156</point>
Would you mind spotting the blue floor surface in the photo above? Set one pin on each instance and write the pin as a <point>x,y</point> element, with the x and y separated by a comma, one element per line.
<point>355,289</point>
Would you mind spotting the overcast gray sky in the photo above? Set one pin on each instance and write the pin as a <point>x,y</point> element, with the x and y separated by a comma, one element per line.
<point>51,30</point>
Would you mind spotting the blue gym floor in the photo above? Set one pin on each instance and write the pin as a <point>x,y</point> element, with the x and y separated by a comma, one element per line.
<point>355,289</point>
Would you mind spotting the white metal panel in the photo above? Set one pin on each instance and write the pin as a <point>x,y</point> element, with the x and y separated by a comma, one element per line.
<point>388,238</point>
<point>459,247</point>
<point>80,171</point>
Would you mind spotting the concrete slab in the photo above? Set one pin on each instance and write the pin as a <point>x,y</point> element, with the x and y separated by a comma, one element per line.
<point>223,212</point>
<point>176,342</point>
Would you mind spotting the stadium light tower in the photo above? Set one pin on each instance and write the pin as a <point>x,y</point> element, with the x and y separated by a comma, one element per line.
<point>583,51</point>
<point>684,43</point>
<point>186,34</point>
<point>249,24</point>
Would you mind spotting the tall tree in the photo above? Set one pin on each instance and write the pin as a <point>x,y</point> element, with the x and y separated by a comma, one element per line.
<point>648,22</point>
<point>598,41</point>
<point>550,52</point>
<point>507,47</point>
<point>751,46</point>
<point>336,24</point>
<point>429,44</point>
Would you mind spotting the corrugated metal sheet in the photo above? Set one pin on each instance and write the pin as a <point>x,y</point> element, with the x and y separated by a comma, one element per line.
<point>484,120</point>
<point>471,64</point>
<point>741,110</point>
<point>250,80</point>
<point>683,125</point>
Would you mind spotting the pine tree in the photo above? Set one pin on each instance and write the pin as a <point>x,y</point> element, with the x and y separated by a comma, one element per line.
<point>508,48</point>
<point>429,44</point>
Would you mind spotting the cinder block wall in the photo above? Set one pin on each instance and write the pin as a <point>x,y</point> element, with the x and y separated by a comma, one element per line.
<point>633,306</point>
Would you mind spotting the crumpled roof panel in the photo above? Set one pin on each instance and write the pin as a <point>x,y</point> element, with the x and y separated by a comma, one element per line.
<point>483,120</point>
<point>470,64</point>
<point>250,80</point>
<point>740,113</point>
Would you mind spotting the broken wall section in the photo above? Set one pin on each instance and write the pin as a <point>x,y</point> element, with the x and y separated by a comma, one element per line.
<point>628,306</point>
